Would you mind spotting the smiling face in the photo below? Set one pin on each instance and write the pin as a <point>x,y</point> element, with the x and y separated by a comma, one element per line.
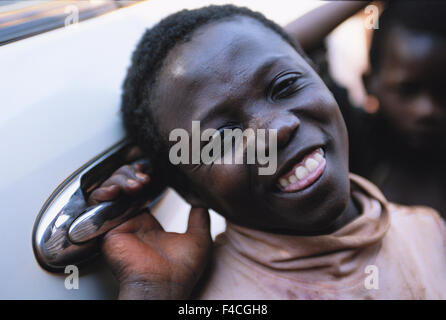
<point>409,86</point>
<point>237,73</point>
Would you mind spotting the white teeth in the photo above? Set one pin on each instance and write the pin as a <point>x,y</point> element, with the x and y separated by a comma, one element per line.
<point>283,182</point>
<point>311,164</point>
<point>292,179</point>
<point>318,157</point>
<point>301,172</point>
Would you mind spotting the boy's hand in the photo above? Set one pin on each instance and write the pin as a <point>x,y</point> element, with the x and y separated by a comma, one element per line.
<point>149,262</point>
<point>153,264</point>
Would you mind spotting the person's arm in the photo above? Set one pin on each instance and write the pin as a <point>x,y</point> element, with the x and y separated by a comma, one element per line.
<point>149,262</point>
<point>311,28</point>
<point>152,264</point>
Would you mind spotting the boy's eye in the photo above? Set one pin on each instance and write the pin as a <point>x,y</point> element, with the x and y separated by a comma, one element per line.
<point>223,144</point>
<point>285,86</point>
<point>226,143</point>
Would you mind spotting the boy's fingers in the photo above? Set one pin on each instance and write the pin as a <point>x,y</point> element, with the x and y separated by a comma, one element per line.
<point>128,185</point>
<point>150,222</point>
<point>143,222</point>
<point>141,164</point>
<point>199,222</point>
<point>103,194</point>
<point>142,177</point>
<point>133,172</point>
<point>127,170</point>
<point>128,178</point>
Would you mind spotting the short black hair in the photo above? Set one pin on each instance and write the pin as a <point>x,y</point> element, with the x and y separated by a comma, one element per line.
<point>422,16</point>
<point>148,58</point>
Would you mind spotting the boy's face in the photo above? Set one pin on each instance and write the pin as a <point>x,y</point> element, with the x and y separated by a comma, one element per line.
<point>240,74</point>
<point>409,86</point>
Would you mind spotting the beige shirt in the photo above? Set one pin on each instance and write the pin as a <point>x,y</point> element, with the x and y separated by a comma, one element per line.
<point>388,252</point>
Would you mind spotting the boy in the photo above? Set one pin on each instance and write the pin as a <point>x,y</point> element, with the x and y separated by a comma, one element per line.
<point>290,235</point>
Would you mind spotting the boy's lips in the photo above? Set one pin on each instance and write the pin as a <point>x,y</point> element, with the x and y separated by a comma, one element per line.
<point>303,173</point>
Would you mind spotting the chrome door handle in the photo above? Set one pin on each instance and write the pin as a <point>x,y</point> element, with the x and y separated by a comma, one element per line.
<point>97,220</point>
<point>66,230</point>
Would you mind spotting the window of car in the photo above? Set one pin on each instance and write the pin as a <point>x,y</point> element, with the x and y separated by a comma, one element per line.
<point>23,19</point>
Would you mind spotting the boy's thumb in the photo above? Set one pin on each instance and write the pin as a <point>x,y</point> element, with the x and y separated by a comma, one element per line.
<point>199,222</point>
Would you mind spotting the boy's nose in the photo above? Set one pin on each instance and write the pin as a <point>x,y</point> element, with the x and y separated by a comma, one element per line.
<point>426,108</point>
<point>286,125</point>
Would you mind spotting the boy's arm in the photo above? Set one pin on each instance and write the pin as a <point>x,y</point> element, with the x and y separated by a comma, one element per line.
<point>149,262</point>
<point>311,28</point>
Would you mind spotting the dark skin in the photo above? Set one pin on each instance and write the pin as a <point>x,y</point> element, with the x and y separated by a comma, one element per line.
<point>148,262</point>
<point>408,86</point>
<point>235,82</point>
<point>237,73</point>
